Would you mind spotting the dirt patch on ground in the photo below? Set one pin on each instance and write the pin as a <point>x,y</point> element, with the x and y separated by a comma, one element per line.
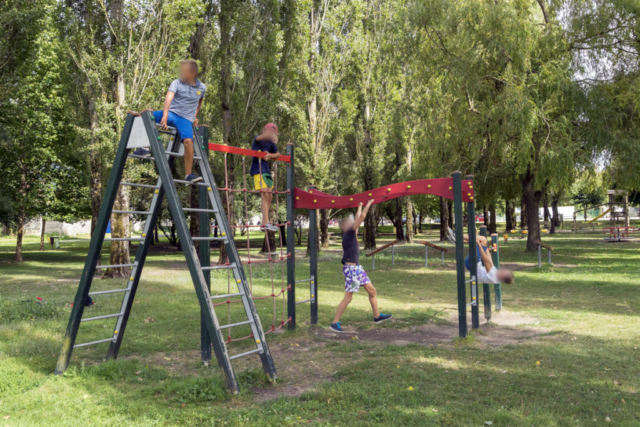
<point>505,328</point>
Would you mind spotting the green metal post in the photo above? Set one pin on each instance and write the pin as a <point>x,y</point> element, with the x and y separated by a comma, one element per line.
<point>473,263</point>
<point>191,256</point>
<point>94,248</point>
<point>486,290</point>
<point>313,261</point>
<point>291,242</point>
<point>495,254</point>
<point>460,273</point>
<point>141,257</point>
<point>205,247</point>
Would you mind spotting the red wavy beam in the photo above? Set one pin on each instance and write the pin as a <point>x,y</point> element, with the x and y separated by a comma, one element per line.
<point>442,187</point>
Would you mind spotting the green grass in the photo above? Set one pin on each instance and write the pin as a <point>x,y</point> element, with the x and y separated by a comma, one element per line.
<point>586,343</point>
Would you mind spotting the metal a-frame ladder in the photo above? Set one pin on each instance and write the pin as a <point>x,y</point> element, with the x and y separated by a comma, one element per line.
<point>140,130</point>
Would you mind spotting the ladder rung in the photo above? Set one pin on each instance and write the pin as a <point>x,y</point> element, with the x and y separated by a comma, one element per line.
<point>115,266</point>
<point>172,131</point>
<point>246,353</point>
<point>93,342</point>
<point>113,291</point>
<point>239,294</point>
<point>133,184</point>
<point>135,156</point>
<point>124,239</point>
<point>471,303</point>
<point>132,212</point>
<point>219,267</point>
<point>106,316</point>
<point>303,301</point>
<point>171,153</point>
<point>199,210</point>
<point>195,239</point>
<point>231,325</point>
<point>182,181</point>
<point>304,280</point>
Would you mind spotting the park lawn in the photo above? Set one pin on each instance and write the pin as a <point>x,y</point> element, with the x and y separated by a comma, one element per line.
<point>579,365</point>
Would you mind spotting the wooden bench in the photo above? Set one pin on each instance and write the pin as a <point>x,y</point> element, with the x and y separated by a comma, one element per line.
<point>428,245</point>
<point>540,246</point>
<point>382,248</point>
<point>584,225</point>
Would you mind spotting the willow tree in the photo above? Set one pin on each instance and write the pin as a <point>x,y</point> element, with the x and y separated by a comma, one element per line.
<point>508,64</point>
<point>123,56</point>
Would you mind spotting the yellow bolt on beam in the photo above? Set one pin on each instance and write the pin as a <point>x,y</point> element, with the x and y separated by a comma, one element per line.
<point>257,341</point>
<point>157,191</point>
<point>130,278</point>
<point>408,186</point>
<point>208,188</point>
<point>238,281</point>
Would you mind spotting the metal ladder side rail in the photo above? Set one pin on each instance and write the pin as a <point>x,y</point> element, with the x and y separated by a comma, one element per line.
<point>191,256</point>
<point>140,258</point>
<point>234,258</point>
<point>95,248</point>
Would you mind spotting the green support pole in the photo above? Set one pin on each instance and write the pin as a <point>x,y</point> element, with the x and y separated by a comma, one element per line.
<point>460,273</point>
<point>495,254</point>
<point>94,248</point>
<point>291,242</point>
<point>205,248</point>
<point>473,263</point>
<point>313,261</point>
<point>486,290</point>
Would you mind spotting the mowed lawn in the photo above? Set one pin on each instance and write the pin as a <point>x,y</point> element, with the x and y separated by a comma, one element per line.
<point>570,358</point>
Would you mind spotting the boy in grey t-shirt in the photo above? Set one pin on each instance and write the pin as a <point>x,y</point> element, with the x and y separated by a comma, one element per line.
<point>181,106</point>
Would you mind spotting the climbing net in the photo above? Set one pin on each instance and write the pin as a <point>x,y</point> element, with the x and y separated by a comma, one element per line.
<point>277,256</point>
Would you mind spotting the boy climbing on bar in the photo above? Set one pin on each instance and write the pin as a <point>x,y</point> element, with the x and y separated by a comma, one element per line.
<point>262,179</point>
<point>487,273</point>
<point>181,107</point>
<point>354,274</point>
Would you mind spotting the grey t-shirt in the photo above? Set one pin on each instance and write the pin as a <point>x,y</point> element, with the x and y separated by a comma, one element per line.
<point>185,102</point>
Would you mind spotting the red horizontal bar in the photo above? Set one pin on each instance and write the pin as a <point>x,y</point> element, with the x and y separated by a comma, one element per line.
<point>443,187</point>
<point>244,152</point>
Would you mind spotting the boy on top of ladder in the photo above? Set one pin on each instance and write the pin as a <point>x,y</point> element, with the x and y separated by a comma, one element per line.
<point>262,179</point>
<point>180,110</point>
<point>354,274</point>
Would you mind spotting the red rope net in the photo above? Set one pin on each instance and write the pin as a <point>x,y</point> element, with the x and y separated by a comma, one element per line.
<point>277,290</point>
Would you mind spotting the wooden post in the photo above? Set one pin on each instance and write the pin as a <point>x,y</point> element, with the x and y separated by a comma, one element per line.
<point>291,242</point>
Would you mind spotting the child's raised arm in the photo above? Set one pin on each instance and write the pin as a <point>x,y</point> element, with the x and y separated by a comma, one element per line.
<point>486,257</point>
<point>361,214</point>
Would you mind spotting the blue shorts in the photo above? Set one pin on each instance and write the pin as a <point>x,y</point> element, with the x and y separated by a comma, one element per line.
<point>184,126</point>
<point>478,258</point>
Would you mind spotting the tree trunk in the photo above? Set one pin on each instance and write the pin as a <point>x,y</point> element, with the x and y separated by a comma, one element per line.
<point>493,220</point>
<point>507,214</point>
<point>399,221</point>
<point>409,236</point>
<point>95,162</point>
<point>545,204</point>
<point>444,219</point>
<point>370,223</point>
<point>485,216</point>
<point>450,217</point>
<point>555,219</point>
<point>268,243</point>
<point>523,212</point>
<point>531,201</point>
<point>120,227</point>
<point>324,228</point>
<point>42,233</point>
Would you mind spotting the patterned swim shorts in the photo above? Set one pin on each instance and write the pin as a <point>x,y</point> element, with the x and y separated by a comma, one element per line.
<point>354,277</point>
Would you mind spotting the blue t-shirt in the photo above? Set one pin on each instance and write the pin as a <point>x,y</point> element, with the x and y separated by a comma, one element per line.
<point>269,147</point>
<point>350,247</point>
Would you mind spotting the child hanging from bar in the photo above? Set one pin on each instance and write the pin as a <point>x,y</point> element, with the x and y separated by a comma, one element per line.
<point>487,273</point>
<point>262,179</point>
<point>354,274</point>
<point>180,110</point>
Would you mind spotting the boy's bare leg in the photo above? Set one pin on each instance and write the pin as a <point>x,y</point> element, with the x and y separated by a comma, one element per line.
<point>373,299</point>
<point>266,204</point>
<point>188,155</point>
<point>343,306</point>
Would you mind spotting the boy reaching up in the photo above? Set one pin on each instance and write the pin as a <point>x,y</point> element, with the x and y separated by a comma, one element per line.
<point>262,179</point>
<point>181,107</point>
<point>354,274</point>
